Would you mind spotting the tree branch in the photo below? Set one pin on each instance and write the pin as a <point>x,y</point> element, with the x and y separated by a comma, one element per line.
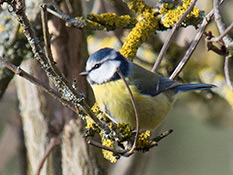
<point>54,142</point>
<point>171,34</point>
<point>220,37</point>
<point>226,39</point>
<point>193,44</point>
<point>131,151</point>
<point>227,72</point>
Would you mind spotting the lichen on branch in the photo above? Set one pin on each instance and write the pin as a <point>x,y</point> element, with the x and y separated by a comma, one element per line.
<point>170,13</point>
<point>111,21</point>
<point>145,27</point>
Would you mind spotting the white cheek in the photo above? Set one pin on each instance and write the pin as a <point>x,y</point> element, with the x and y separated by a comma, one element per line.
<point>104,73</point>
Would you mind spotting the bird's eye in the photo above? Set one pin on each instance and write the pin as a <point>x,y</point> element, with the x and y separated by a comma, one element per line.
<point>97,66</point>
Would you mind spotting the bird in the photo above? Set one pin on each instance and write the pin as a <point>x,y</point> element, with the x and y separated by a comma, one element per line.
<point>154,94</point>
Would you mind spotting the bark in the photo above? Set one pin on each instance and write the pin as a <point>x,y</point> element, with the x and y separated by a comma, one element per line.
<point>33,119</point>
<point>43,117</point>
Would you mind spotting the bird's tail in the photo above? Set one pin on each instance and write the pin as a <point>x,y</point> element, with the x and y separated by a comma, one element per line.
<point>192,87</point>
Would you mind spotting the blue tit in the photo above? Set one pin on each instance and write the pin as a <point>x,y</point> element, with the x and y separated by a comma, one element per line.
<point>153,93</point>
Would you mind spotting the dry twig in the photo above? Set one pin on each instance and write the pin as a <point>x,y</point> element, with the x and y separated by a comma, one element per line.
<point>227,72</point>
<point>54,142</point>
<point>171,34</point>
<point>99,145</point>
<point>193,44</point>
<point>220,37</point>
<point>226,39</point>
<point>68,93</point>
<point>136,114</point>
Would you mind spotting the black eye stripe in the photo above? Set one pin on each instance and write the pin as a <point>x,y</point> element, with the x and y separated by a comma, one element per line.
<point>96,66</point>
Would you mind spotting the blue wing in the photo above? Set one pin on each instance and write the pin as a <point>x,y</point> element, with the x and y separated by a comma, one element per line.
<point>191,87</point>
<point>153,84</point>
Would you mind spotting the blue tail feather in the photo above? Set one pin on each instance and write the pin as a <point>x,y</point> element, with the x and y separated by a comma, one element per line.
<point>192,87</point>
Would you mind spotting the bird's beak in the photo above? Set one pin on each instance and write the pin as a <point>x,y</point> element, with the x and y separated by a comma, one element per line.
<point>84,73</point>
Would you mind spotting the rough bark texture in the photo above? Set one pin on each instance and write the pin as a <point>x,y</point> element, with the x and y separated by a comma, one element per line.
<point>34,120</point>
<point>43,117</point>
<point>70,52</point>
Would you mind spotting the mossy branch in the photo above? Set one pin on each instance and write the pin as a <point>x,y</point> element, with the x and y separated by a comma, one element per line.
<point>144,25</point>
<point>111,21</point>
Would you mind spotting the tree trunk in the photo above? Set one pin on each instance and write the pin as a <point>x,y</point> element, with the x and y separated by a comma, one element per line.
<point>43,117</point>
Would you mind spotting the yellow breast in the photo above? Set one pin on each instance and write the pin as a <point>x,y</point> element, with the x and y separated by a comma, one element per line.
<point>114,99</point>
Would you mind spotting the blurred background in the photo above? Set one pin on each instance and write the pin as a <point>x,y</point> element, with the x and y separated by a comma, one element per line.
<point>202,140</point>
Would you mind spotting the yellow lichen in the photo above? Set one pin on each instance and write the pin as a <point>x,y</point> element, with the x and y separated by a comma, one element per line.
<point>90,124</point>
<point>170,16</point>
<point>109,155</point>
<point>143,140</point>
<point>91,24</point>
<point>138,6</point>
<point>111,21</point>
<point>145,27</point>
<point>95,108</point>
<point>20,30</point>
<point>124,129</point>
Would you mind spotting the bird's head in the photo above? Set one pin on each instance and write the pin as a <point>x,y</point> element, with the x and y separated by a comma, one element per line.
<point>102,66</point>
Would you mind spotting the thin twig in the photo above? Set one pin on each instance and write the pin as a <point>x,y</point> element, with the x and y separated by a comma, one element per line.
<point>171,34</point>
<point>136,114</point>
<point>37,82</point>
<point>210,45</point>
<point>154,142</point>
<point>99,145</point>
<point>162,135</point>
<point>227,72</point>
<point>17,70</point>
<point>54,142</point>
<point>219,22</point>
<point>46,35</point>
<point>50,91</point>
<point>63,85</point>
<point>226,39</point>
<point>220,37</point>
<point>57,14</point>
<point>193,44</point>
<point>69,21</point>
